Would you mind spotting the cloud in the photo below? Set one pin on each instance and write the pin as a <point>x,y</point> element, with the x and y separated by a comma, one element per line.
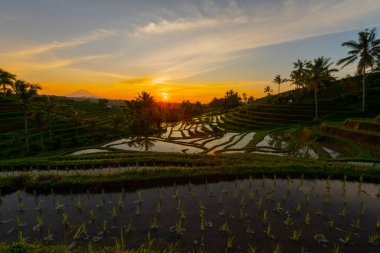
<point>58,63</point>
<point>289,21</point>
<point>165,26</point>
<point>85,39</point>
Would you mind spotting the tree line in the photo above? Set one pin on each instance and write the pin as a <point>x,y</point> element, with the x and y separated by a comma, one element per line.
<point>314,74</point>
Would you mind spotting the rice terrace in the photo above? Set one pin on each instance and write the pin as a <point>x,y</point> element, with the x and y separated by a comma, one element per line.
<point>150,126</point>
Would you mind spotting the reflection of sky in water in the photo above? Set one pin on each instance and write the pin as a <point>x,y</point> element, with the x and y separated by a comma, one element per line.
<point>230,193</point>
<point>158,146</point>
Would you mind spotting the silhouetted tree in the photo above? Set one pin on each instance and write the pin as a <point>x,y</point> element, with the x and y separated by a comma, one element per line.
<point>298,75</point>
<point>41,120</point>
<point>366,51</point>
<point>318,73</point>
<point>268,90</point>
<point>278,80</point>
<point>6,79</point>
<point>24,92</point>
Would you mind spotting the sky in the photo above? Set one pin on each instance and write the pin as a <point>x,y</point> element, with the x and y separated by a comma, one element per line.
<point>174,49</point>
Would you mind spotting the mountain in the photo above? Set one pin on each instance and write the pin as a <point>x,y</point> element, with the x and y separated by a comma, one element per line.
<point>81,94</point>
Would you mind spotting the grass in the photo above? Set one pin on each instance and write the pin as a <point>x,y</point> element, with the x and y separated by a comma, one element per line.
<point>212,168</point>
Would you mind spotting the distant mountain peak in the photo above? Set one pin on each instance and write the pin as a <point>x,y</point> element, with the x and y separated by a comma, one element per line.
<point>82,94</point>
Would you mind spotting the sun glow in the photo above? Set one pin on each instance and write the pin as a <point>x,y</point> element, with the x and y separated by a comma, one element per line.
<point>165,96</point>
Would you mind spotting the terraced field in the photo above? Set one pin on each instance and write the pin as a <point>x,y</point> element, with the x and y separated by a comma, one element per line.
<point>63,129</point>
<point>209,135</point>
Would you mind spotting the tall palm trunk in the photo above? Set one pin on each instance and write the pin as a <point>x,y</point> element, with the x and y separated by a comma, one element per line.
<point>26,128</point>
<point>4,88</point>
<point>49,125</point>
<point>42,139</point>
<point>278,88</point>
<point>363,105</point>
<point>316,101</point>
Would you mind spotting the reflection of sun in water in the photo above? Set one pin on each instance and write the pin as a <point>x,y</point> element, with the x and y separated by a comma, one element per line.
<point>165,96</point>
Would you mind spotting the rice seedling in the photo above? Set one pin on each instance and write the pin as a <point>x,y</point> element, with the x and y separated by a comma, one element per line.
<point>298,207</point>
<point>39,206</point>
<point>81,233</point>
<point>269,197</point>
<point>21,206</point>
<point>356,224</point>
<point>251,195</point>
<point>319,211</point>
<point>372,238</point>
<point>49,236</point>
<point>230,242</point>
<point>296,235</point>
<point>251,249</point>
<point>100,203</point>
<point>330,223</point>
<point>139,197</point>
<point>130,227</point>
<point>307,218</point>
<point>362,210</point>
<point>249,230</point>
<point>78,204</point>
<point>268,231</point>
<point>202,224</point>
<point>259,203</point>
<point>222,212</point>
<point>104,227</point>
<point>265,216</point>
<point>40,223</point>
<point>114,214</point>
<point>138,209</point>
<point>278,207</point>
<point>225,228</point>
<point>92,215</point>
<point>378,223</point>
<point>120,201</point>
<point>65,220</point>
<point>336,249</point>
<point>177,228</point>
<point>288,221</point>
<point>321,239</point>
<point>277,248</point>
<point>289,184</point>
<point>58,205</point>
<point>346,239</point>
<point>343,212</point>
<point>154,225</point>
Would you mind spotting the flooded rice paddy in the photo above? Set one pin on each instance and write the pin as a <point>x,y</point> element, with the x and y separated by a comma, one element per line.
<point>290,214</point>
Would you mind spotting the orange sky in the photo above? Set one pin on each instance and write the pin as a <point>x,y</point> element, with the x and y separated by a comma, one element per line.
<point>193,50</point>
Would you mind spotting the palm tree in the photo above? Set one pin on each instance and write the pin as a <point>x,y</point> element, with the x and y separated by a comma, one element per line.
<point>145,104</point>
<point>42,123</point>
<point>6,79</point>
<point>117,120</point>
<point>93,124</point>
<point>25,91</point>
<point>366,51</point>
<point>76,119</point>
<point>278,80</point>
<point>145,99</point>
<point>318,72</point>
<point>51,106</point>
<point>245,98</point>
<point>298,74</point>
<point>268,90</point>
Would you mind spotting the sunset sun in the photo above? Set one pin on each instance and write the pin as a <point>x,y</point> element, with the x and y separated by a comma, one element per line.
<point>165,96</point>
